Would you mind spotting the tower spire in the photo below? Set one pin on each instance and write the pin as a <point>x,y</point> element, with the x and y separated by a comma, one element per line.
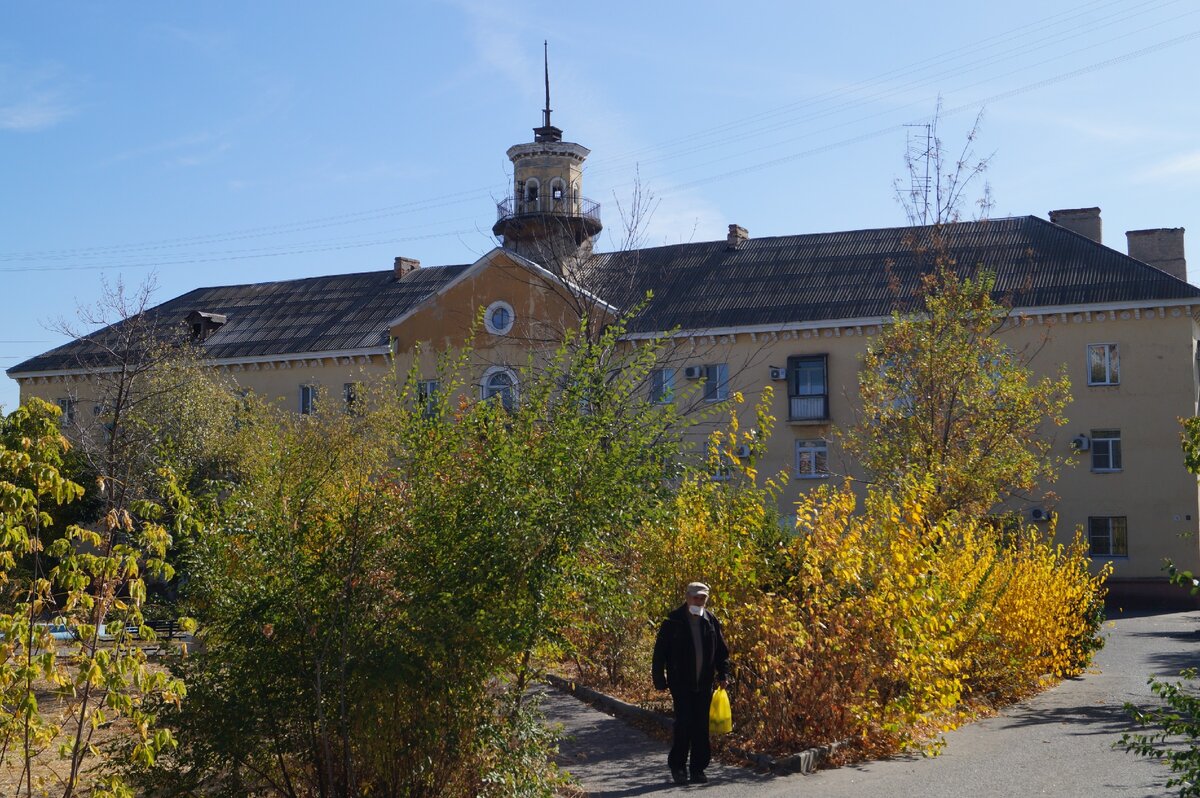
<point>547,132</point>
<point>546,63</point>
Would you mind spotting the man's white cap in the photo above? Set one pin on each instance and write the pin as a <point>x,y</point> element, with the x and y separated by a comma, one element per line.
<point>697,589</point>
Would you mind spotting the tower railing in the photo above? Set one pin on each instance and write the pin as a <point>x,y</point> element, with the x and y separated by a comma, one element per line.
<point>569,205</point>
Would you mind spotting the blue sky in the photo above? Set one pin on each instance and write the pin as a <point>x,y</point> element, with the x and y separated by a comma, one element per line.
<point>231,142</point>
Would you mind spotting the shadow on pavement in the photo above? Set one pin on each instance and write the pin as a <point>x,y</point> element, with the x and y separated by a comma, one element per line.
<point>1105,719</point>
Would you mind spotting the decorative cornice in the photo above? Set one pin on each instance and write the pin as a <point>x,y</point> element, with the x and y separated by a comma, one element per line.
<point>1079,314</point>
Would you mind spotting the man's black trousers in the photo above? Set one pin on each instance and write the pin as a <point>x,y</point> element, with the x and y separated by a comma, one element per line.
<point>691,730</point>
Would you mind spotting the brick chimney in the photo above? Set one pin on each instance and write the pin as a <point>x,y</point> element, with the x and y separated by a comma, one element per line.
<point>737,234</point>
<point>405,266</point>
<point>1085,221</point>
<point>1161,248</point>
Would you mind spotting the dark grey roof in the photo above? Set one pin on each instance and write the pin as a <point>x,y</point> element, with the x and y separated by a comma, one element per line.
<point>317,314</point>
<point>867,274</point>
<point>765,281</point>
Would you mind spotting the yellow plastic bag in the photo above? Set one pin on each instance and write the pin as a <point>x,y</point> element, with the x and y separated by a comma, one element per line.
<point>720,719</point>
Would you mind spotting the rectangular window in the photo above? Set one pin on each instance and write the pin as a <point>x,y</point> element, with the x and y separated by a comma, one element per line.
<point>67,405</point>
<point>351,395</point>
<point>427,391</point>
<point>1108,536</point>
<point>662,386</point>
<point>716,382</point>
<point>1104,364</point>
<point>812,459</point>
<point>808,388</point>
<point>308,399</point>
<point>1106,450</point>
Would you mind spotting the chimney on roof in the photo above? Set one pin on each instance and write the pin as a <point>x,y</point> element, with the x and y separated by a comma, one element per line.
<point>737,234</point>
<point>405,266</point>
<point>1161,248</point>
<point>1085,221</point>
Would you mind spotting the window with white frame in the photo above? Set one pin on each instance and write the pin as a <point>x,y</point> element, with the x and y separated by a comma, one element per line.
<point>1108,536</point>
<point>1104,364</point>
<point>812,459</point>
<point>427,394</point>
<point>308,399</point>
<point>500,382</point>
<point>662,386</point>
<point>1106,450</point>
<point>716,382</point>
<point>67,405</point>
<point>499,318</point>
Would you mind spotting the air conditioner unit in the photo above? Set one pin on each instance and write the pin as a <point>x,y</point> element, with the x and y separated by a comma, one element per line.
<point>1080,443</point>
<point>742,451</point>
<point>778,373</point>
<point>693,372</point>
<point>1040,514</point>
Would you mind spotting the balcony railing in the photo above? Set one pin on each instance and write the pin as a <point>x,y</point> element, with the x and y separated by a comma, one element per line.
<point>808,408</point>
<point>569,205</point>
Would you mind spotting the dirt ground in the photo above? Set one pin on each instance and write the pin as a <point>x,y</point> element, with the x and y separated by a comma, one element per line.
<point>48,767</point>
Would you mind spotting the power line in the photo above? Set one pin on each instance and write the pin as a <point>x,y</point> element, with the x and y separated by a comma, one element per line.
<point>140,251</point>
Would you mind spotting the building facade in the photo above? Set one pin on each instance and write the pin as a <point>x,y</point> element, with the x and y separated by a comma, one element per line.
<point>739,314</point>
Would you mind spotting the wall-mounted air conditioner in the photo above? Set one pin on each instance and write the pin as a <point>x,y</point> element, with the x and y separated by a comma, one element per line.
<point>1080,443</point>
<point>693,372</point>
<point>778,374</point>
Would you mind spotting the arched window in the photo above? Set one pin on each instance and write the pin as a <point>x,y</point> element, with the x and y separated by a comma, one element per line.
<point>500,382</point>
<point>532,188</point>
<point>558,192</point>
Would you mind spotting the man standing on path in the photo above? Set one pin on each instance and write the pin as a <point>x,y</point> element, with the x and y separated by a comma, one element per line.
<point>689,655</point>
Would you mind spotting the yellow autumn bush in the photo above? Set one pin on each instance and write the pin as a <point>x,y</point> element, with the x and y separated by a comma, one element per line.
<point>882,626</point>
<point>888,623</point>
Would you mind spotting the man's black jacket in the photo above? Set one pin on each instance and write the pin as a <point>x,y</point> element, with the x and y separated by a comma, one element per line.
<point>675,655</point>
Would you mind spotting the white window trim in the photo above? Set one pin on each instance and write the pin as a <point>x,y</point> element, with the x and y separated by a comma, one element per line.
<point>1107,366</point>
<point>668,383</point>
<point>491,372</point>
<point>808,445</point>
<point>716,390</point>
<point>1109,439</point>
<point>499,304</point>
<point>314,391</point>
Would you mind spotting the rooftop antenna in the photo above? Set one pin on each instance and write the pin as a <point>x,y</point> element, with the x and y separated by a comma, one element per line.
<point>920,181</point>
<point>547,132</point>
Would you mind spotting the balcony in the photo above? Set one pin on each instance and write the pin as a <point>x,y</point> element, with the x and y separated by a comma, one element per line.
<point>808,408</point>
<point>567,205</point>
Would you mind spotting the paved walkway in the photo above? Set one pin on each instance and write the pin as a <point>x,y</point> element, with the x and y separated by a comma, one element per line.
<point>1059,743</point>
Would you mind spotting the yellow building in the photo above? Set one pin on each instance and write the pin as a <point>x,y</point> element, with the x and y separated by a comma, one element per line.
<point>794,312</point>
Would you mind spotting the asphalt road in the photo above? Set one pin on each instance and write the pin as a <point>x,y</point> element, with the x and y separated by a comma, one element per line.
<point>1058,743</point>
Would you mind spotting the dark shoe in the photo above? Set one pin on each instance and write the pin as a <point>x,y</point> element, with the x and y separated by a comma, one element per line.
<point>698,777</point>
<point>679,775</point>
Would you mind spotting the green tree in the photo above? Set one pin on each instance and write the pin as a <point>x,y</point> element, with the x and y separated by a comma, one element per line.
<point>55,694</point>
<point>377,582</point>
<point>944,398</point>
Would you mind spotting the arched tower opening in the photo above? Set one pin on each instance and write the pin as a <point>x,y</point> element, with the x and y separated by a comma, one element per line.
<point>547,219</point>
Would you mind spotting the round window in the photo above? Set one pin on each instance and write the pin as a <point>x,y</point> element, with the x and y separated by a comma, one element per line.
<point>498,318</point>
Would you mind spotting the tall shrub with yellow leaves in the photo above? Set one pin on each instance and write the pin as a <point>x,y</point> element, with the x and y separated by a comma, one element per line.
<point>889,623</point>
